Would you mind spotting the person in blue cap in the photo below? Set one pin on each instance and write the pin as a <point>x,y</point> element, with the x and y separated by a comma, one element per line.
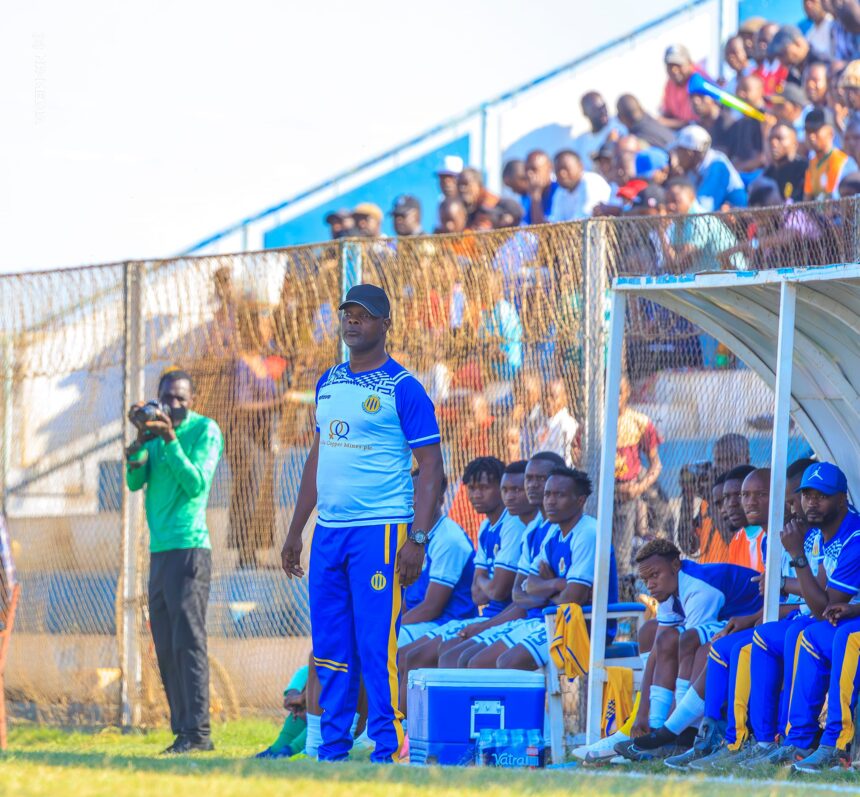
<point>291,739</point>
<point>652,164</point>
<point>819,661</point>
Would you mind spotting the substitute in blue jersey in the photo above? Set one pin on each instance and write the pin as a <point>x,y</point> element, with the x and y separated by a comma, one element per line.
<point>372,417</point>
<point>820,667</point>
<point>522,492</point>
<point>694,603</point>
<point>563,571</point>
<point>443,591</point>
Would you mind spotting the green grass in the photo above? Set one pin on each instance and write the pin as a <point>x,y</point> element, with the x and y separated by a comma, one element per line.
<point>48,761</point>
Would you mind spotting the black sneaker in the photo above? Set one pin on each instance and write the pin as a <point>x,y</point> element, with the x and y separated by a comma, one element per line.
<point>188,744</point>
<point>706,742</point>
<point>655,745</point>
<point>171,750</point>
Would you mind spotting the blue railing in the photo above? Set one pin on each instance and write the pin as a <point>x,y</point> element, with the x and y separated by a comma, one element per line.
<point>444,126</point>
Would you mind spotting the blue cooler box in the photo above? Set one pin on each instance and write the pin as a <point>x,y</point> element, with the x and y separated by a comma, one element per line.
<point>447,709</point>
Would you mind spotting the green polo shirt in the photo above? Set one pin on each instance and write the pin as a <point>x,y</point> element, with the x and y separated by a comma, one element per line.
<point>178,476</point>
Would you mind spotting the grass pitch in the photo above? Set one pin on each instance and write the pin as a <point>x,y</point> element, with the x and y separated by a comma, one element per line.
<point>51,762</point>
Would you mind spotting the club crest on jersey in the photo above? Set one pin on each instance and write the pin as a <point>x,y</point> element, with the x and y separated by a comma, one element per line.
<point>338,429</point>
<point>378,581</point>
<point>562,567</point>
<point>372,404</point>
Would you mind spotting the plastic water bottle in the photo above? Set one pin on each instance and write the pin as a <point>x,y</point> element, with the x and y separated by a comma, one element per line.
<point>534,749</point>
<point>484,747</point>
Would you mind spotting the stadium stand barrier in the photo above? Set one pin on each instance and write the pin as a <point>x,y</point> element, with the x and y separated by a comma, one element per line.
<point>488,321</point>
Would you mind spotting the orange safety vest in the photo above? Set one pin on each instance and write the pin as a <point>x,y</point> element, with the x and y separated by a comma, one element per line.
<point>822,174</point>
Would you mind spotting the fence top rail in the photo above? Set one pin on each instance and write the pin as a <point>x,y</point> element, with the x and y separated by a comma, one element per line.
<point>617,222</point>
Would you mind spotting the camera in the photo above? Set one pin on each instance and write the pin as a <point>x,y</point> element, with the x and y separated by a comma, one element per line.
<point>699,475</point>
<point>148,412</point>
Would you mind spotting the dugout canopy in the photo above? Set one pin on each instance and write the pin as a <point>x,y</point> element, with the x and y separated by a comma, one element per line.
<point>799,330</point>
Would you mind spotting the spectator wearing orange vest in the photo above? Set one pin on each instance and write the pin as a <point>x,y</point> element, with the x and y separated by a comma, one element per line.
<point>827,164</point>
<point>746,546</point>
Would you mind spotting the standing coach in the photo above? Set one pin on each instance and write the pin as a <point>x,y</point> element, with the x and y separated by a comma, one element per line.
<point>175,456</point>
<point>372,415</point>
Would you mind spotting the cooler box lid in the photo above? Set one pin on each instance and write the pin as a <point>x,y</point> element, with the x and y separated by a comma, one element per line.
<point>507,679</point>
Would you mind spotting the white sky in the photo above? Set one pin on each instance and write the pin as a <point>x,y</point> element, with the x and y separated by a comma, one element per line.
<point>134,129</point>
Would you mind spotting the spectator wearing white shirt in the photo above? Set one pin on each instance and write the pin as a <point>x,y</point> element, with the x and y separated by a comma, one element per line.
<point>603,128</point>
<point>559,431</point>
<point>578,191</point>
<point>817,32</point>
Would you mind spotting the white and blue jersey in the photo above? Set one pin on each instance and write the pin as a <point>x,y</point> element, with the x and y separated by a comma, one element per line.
<point>571,556</point>
<point>499,546</point>
<point>708,595</point>
<point>532,544</point>
<point>449,559</point>
<point>368,424</point>
<point>840,557</point>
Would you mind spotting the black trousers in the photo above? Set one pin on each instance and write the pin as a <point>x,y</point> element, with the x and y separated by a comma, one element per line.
<point>178,594</point>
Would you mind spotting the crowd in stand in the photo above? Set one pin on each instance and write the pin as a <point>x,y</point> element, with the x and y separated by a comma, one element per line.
<point>694,154</point>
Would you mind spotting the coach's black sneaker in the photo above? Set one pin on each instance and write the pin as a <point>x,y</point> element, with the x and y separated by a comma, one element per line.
<point>823,759</point>
<point>171,750</point>
<point>188,744</point>
<point>707,740</point>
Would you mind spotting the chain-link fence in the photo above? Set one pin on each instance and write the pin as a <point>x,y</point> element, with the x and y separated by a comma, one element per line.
<point>506,330</point>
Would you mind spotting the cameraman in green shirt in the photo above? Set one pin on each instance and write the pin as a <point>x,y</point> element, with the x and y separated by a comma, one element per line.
<point>175,456</point>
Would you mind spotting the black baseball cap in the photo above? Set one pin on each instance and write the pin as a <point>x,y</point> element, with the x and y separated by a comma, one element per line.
<point>371,297</point>
<point>792,93</point>
<point>338,215</point>
<point>652,196</point>
<point>404,203</point>
<point>818,118</point>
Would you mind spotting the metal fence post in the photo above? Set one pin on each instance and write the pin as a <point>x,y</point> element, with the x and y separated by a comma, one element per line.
<point>594,281</point>
<point>131,511</point>
<point>855,227</point>
<point>350,274</point>
<point>6,442</point>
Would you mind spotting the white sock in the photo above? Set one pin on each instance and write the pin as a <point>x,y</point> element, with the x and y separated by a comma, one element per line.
<point>314,737</point>
<point>661,705</point>
<point>355,720</point>
<point>681,687</point>
<point>688,712</point>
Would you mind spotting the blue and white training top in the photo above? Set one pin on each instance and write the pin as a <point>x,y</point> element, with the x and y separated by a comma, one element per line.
<point>499,546</point>
<point>532,542</point>
<point>709,594</point>
<point>368,424</point>
<point>449,559</point>
<point>572,557</point>
<point>840,557</point>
